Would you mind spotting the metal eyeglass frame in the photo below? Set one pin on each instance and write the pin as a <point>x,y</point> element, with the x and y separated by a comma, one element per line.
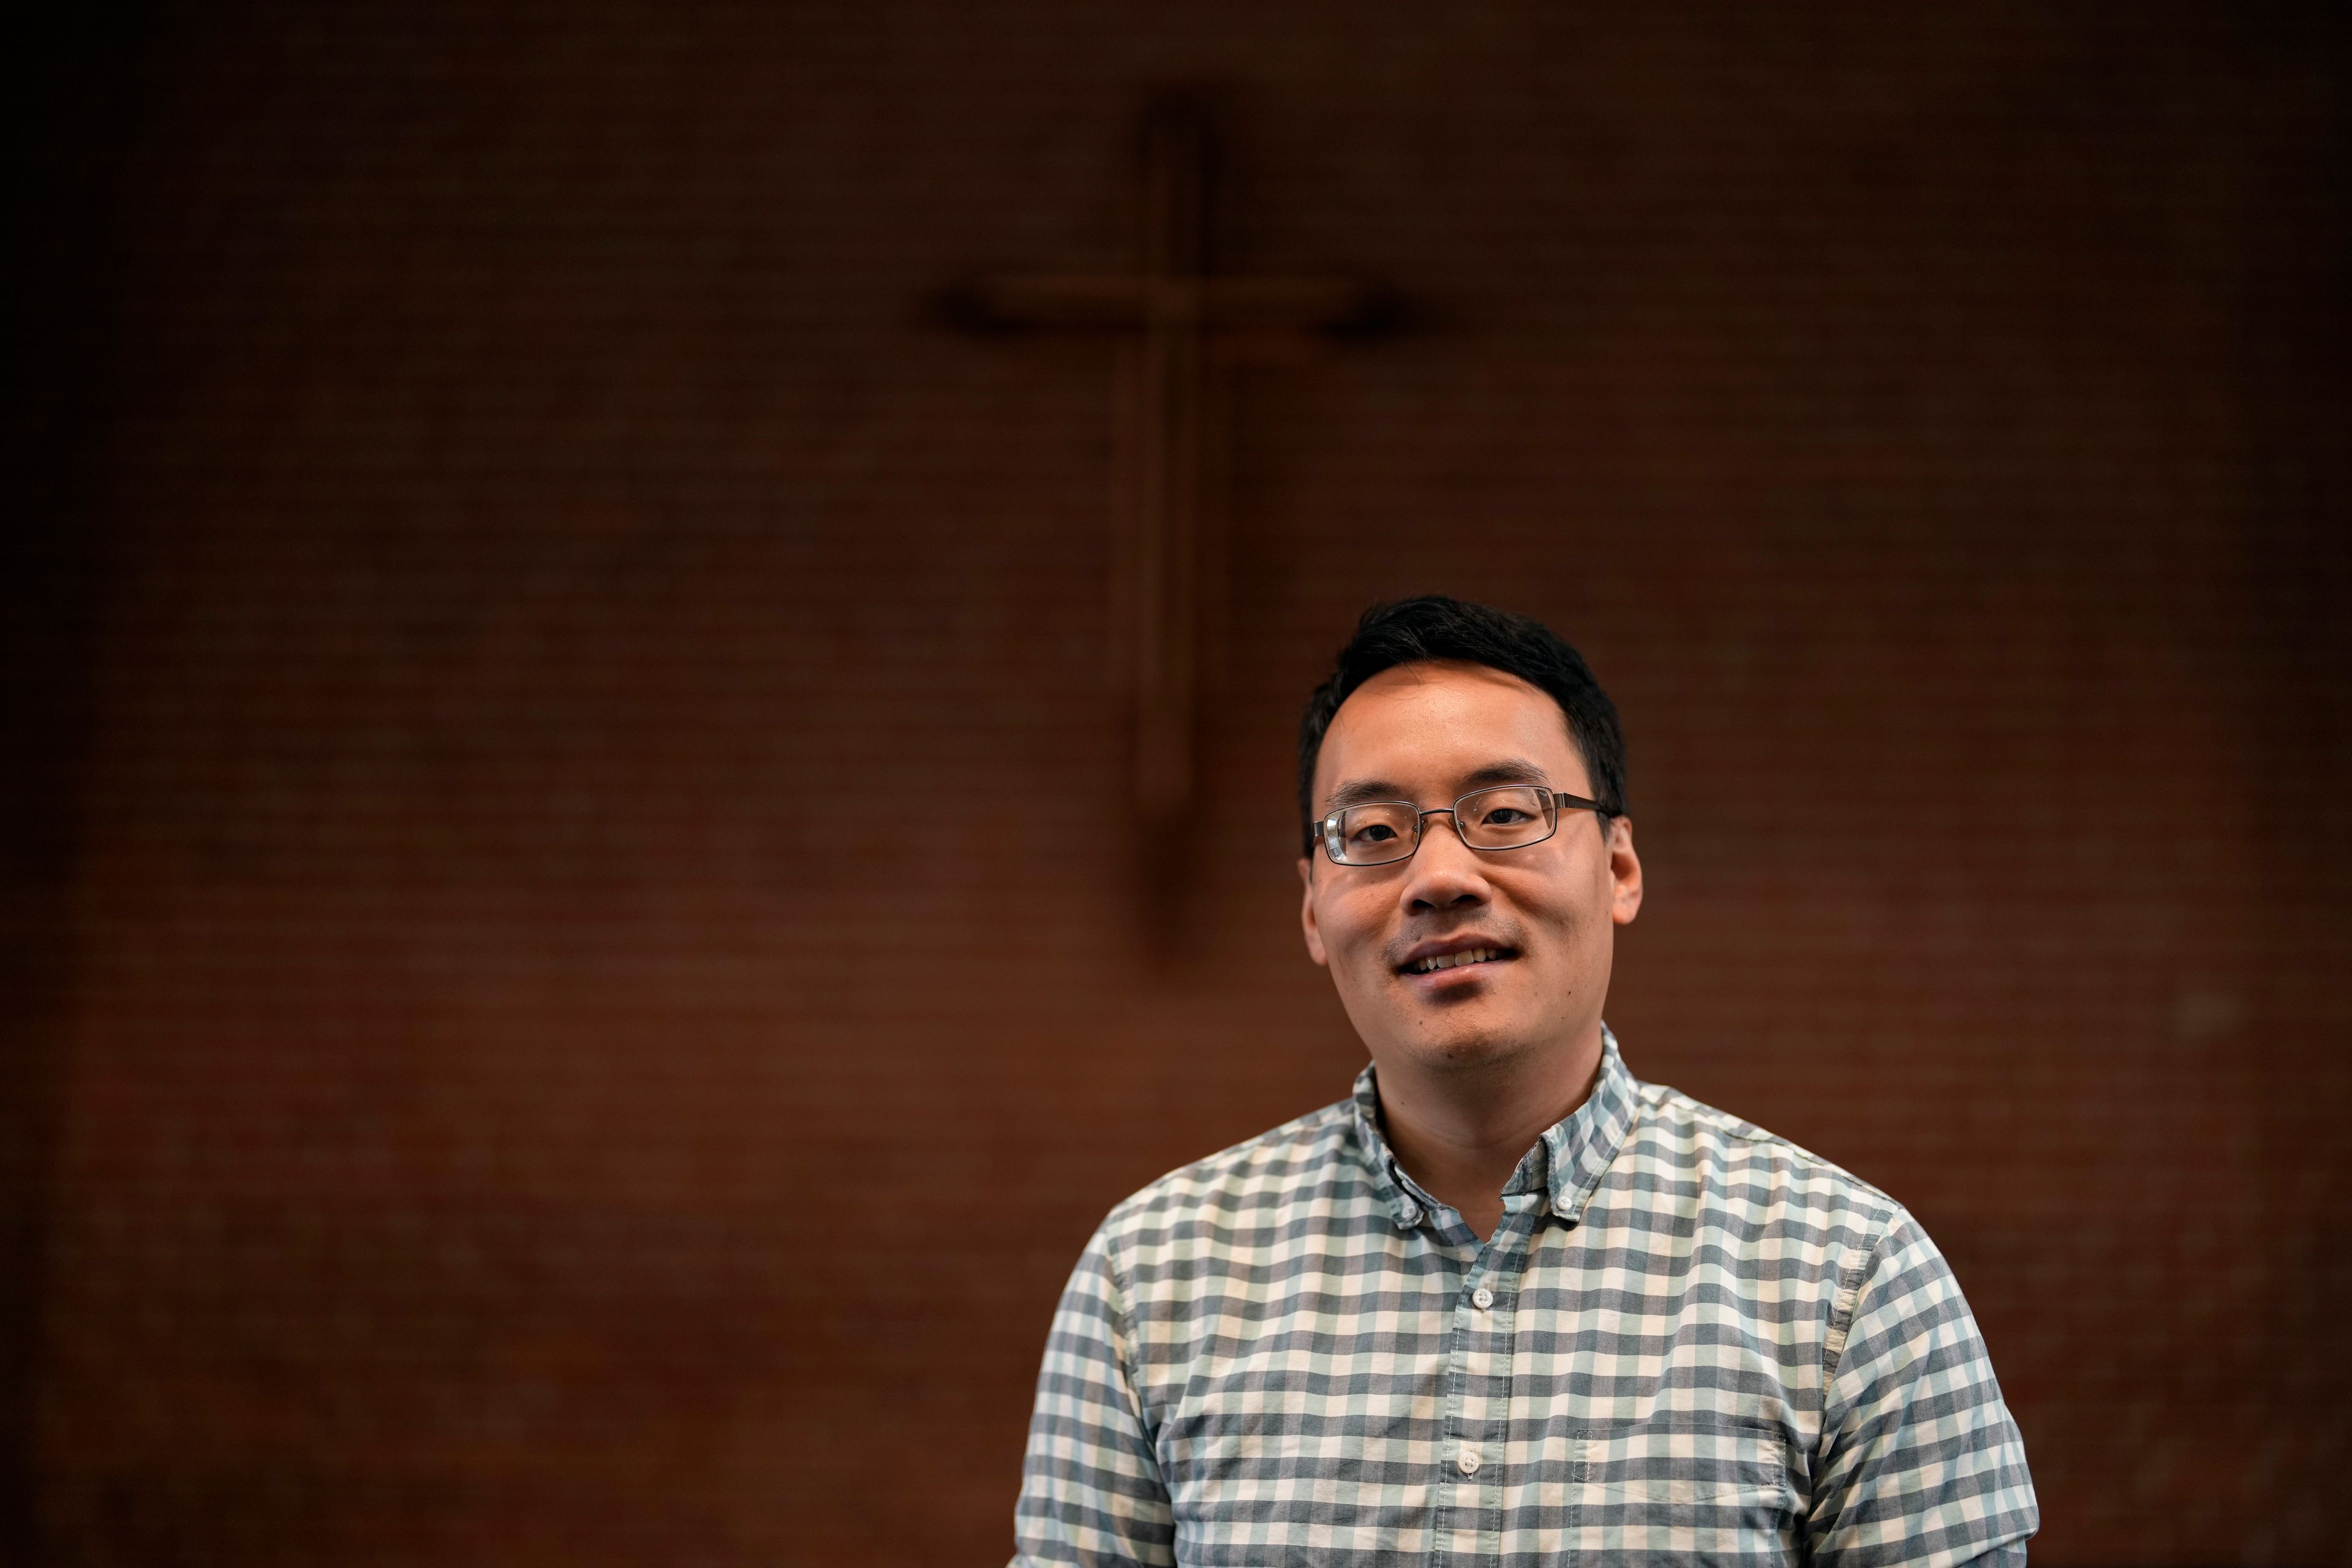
<point>1326,832</point>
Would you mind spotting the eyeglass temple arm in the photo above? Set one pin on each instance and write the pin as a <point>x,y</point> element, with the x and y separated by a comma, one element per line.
<point>1561,797</point>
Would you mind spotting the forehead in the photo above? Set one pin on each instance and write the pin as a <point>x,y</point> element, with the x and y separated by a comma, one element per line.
<point>1424,726</point>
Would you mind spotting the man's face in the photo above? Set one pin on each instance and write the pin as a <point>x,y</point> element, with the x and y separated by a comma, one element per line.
<point>1430,733</point>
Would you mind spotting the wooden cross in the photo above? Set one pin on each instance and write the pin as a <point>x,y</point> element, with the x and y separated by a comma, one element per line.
<point>1175,303</point>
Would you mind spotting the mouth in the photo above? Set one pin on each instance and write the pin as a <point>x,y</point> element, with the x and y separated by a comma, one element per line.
<point>1463,958</point>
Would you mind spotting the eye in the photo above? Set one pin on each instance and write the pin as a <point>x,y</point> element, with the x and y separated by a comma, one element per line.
<point>1372,833</point>
<point>1505,816</point>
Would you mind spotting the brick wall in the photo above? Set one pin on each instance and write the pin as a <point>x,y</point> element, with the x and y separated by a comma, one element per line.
<point>512,1093</point>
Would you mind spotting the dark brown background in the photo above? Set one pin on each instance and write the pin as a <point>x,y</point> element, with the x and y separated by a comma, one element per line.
<point>503,540</point>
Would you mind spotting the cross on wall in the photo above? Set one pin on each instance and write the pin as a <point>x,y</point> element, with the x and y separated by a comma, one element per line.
<point>1175,305</point>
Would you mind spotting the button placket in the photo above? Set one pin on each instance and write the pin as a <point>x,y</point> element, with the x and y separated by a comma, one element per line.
<point>1483,1335</point>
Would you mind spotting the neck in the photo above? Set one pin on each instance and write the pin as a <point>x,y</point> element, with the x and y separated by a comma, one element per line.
<point>1460,1131</point>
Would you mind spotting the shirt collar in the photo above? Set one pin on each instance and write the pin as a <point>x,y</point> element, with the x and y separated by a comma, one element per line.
<point>1565,1164</point>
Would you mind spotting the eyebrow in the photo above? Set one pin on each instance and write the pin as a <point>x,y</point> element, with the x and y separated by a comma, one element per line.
<point>1504,771</point>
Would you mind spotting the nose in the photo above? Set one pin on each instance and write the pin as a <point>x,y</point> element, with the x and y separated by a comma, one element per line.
<point>1444,872</point>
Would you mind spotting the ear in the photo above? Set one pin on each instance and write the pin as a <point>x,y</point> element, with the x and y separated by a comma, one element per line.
<point>1624,872</point>
<point>1306,913</point>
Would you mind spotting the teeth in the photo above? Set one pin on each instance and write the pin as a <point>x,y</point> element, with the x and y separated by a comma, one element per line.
<point>1455,960</point>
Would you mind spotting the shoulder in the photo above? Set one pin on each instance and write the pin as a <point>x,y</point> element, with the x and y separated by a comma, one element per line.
<point>1681,1153</point>
<point>1251,1187</point>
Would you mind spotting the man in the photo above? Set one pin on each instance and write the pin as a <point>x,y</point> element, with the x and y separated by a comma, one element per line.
<point>1507,1305</point>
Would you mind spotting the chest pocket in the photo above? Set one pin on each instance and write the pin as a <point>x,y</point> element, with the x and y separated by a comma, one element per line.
<point>1691,1485</point>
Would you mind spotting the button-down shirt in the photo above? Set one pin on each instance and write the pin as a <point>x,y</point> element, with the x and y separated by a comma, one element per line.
<point>1688,1340</point>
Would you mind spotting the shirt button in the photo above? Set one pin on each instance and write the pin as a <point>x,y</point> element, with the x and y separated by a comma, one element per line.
<point>1409,1214</point>
<point>1469,1462</point>
<point>1482,1297</point>
<point>1563,1208</point>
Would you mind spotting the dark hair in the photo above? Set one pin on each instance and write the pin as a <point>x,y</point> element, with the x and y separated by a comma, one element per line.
<point>1432,627</point>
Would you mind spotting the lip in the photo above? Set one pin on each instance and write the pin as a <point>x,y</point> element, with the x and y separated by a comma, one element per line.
<point>1446,947</point>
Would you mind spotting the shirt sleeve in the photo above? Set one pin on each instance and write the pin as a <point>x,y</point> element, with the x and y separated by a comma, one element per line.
<point>1919,1461</point>
<point>1090,1487</point>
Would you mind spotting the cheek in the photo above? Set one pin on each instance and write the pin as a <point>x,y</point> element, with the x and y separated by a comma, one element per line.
<point>1570,910</point>
<point>1351,926</point>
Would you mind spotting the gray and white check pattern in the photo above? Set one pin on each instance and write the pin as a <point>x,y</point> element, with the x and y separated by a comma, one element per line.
<point>1688,1340</point>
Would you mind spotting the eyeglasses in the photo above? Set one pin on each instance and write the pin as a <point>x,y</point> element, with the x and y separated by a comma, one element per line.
<point>1509,817</point>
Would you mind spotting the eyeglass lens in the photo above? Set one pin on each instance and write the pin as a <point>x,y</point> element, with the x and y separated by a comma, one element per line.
<point>1502,818</point>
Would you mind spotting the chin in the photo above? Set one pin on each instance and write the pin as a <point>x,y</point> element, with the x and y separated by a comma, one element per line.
<point>1468,1045</point>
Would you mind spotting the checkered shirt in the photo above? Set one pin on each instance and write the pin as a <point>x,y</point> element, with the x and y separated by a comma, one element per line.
<point>1688,1342</point>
